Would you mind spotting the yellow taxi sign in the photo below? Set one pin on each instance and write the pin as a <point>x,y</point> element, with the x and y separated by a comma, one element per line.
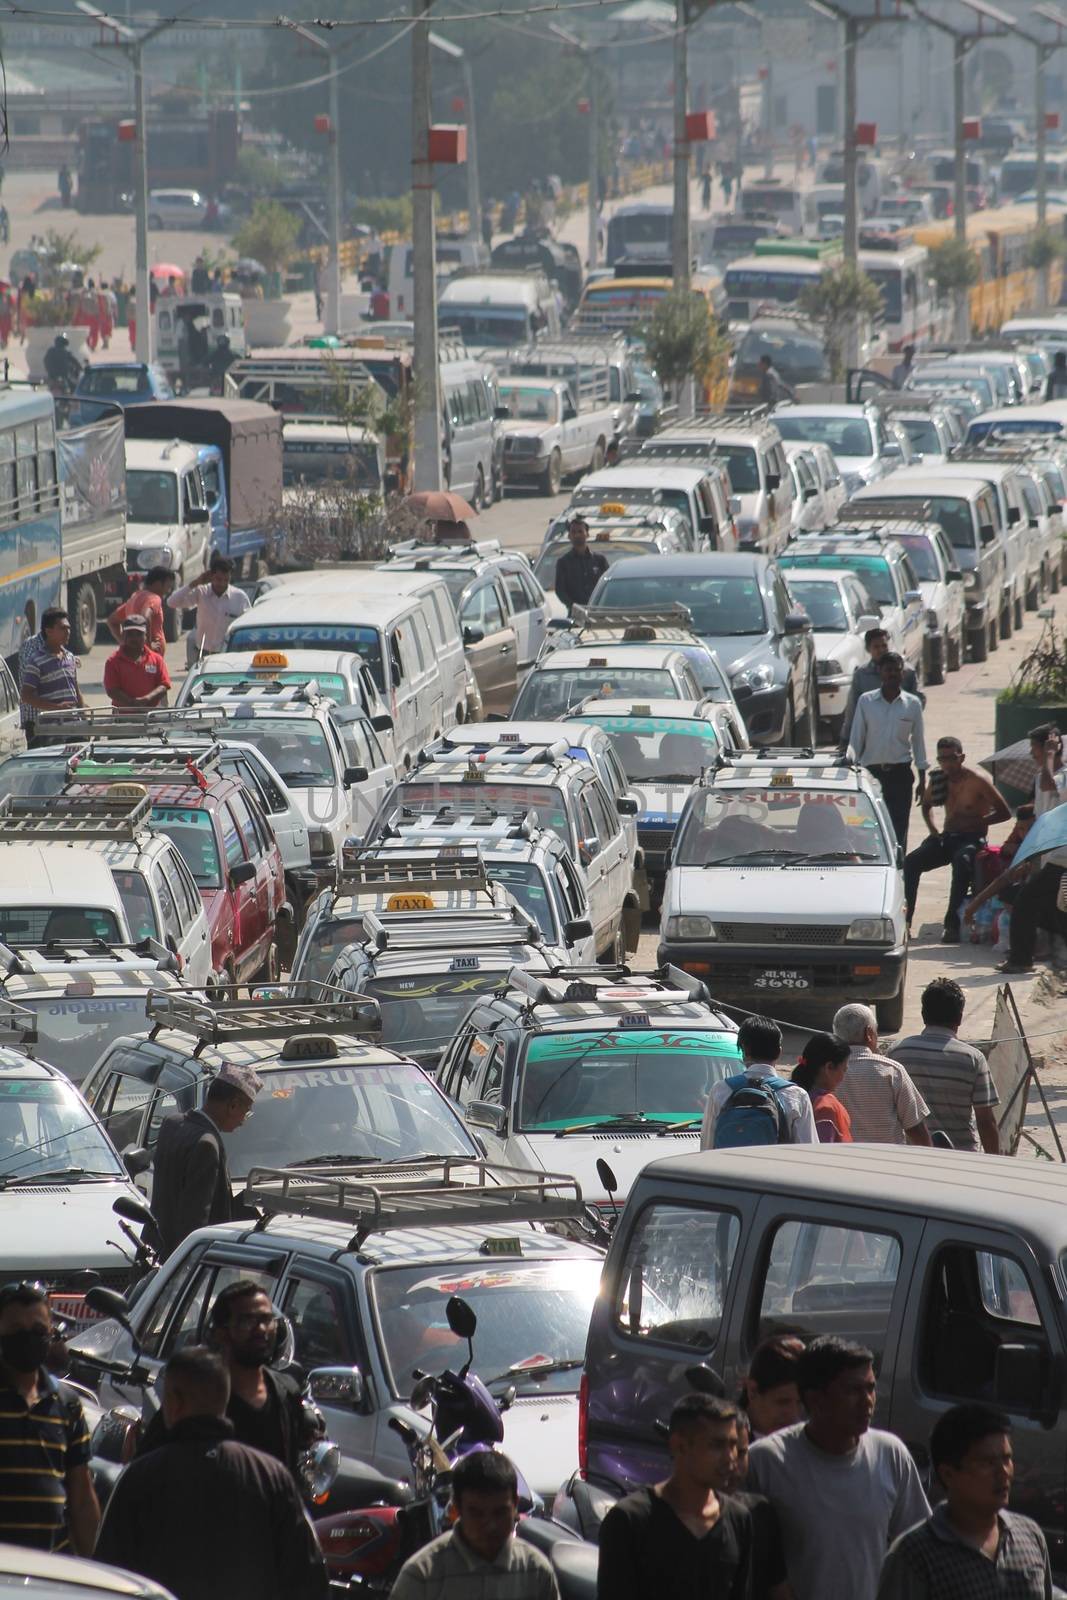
<point>270,658</point>
<point>781,780</point>
<point>410,900</point>
<point>612,508</point>
<point>496,1246</point>
<point>126,791</point>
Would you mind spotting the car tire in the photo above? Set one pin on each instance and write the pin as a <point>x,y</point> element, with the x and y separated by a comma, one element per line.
<point>550,480</point>
<point>478,500</point>
<point>934,666</point>
<point>890,1013</point>
<point>81,604</point>
<point>270,971</point>
<point>1017,612</point>
<point>1032,601</point>
<point>1053,578</point>
<point>155,220</point>
<point>978,643</point>
<point>954,648</point>
<point>597,460</point>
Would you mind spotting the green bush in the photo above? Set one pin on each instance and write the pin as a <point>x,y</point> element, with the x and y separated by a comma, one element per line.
<point>953,265</point>
<point>682,338</point>
<point>385,213</point>
<point>835,302</point>
<point>269,235</point>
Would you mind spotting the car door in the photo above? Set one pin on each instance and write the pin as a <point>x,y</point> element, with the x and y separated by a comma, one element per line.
<point>491,645</point>
<point>911,611</point>
<point>195,942</point>
<point>794,648</point>
<point>529,615</point>
<point>261,850</point>
<point>286,821</point>
<point>465,1081</point>
<point>363,750</point>
<point>408,720</point>
<point>11,735</point>
<point>320,1304</point>
<point>247,912</point>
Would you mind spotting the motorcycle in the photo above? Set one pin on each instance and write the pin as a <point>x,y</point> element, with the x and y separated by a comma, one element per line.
<point>369,1546</point>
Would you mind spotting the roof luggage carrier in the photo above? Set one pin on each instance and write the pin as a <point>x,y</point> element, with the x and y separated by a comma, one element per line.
<point>74,817</point>
<point>168,763</point>
<point>487,926</point>
<point>466,550</point>
<point>24,960</point>
<point>887,510</point>
<point>473,812</point>
<point>69,725</point>
<point>18,1024</point>
<point>256,688</point>
<point>618,619</point>
<point>415,869</point>
<point>668,985</point>
<point>1008,447</point>
<point>287,1013</point>
<point>518,752</point>
<point>454,1192</point>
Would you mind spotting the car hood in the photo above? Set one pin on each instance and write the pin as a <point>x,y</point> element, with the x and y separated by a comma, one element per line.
<point>866,467</point>
<point>541,1437</point>
<point>60,1228</point>
<point>660,803</point>
<point>626,1154</point>
<point>737,651</point>
<point>320,808</point>
<point>140,534</point>
<point>820,894</point>
<point>535,425</point>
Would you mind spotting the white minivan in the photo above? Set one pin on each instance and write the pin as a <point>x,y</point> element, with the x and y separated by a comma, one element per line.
<point>469,429</point>
<point>493,312</point>
<point>403,625</point>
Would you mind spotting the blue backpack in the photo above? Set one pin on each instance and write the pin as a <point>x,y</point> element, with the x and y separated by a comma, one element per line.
<point>753,1115</point>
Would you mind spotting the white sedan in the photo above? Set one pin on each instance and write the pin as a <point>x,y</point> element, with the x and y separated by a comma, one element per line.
<point>841,611</point>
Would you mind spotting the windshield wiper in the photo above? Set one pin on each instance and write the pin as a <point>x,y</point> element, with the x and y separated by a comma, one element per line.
<point>542,1369</point>
<point>753,855</point>
<point>841,855</point>
<point>680,1127</point>
<point>325,1161</point>
<point>631,1119</point>
<point>54,1175</point>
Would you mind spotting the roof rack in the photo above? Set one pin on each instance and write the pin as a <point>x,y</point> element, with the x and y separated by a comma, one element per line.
<point>415,869</point>
<point>60,952</point>
<point>75,817</point>
<point>253,689</point>
<point>668,985</point>
<point>887,510</point>
<point>18,1024</point>
<point>70,724</point>
<point>620,618</point>
<point>433,550</point>
<point>453,1192</point>
<point>1009,448</point>
<point>284,1013</point>
<point>167,763</point>
<point>517,753</point>
<point>425,930</point>
<point>475,813</point>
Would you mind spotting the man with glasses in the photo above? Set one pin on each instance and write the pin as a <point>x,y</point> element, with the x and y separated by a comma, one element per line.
<point>191,1186</point>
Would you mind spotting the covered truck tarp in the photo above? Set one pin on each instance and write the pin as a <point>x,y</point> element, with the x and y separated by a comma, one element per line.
<point>248,434</point>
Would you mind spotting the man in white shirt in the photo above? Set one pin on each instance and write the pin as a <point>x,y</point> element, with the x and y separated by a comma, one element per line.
<point>886,736</point>
<point>216,604</point>
<point>760,1043</point>
<point>1037,903</point>
<point>882,1102</point>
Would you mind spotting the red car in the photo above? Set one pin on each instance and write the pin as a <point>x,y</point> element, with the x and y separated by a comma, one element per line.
<point>233,855</point>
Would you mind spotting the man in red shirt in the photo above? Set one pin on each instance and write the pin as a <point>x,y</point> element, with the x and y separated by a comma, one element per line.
<point>136,677</point>
<point>146,602</point>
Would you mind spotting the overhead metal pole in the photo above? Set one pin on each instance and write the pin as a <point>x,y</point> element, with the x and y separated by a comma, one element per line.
<point>425,373</point>
<point>332,307</point>
<point>474,192</point>
<point>680,222</point>
<point>852,207</point>
<point>1042,54</point>
<point>592,248</point>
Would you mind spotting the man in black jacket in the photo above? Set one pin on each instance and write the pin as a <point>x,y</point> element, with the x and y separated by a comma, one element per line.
<point>191,1184</point>
<point>209,1518</point>
<point>579,571</point>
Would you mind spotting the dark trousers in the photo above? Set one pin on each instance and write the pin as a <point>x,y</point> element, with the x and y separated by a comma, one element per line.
<point>1035,907</point>
<point>896,784</point>
<point>955,850</point>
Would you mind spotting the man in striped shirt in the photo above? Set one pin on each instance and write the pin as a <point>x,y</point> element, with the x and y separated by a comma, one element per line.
<point>952,1077</point>
<point>47,1500</point>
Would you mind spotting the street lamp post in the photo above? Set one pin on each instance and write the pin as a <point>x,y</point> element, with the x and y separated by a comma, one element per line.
<point>474,193</point>
<point>332,318</point>
<point>1042,53</point>
<point>425,371</point>
<point>680,220</point>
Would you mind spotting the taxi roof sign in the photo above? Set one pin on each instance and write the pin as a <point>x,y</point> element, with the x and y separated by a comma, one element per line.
<point>612,508</point>
<point>270,658</point>
<point>781,780</point>
<point>410,902</point>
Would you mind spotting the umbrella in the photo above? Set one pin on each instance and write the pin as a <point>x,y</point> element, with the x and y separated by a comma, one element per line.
<point>1013,767</point>
<point>247,267</point>
<point>1049,832</point>
<point>167,269</point>
<point>440,505</point>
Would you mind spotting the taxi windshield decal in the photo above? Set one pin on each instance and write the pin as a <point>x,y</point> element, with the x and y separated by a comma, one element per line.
<point>624,1041</point>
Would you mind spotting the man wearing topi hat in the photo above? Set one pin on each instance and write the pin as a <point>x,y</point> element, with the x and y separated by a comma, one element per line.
<point>191,1187</point>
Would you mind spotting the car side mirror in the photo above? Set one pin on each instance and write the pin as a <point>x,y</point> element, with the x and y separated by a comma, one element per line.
<point>867,621</point>
<point>1018,1377</point>
<point>487,1114</point>
<point>735,505</point>
<point>773,480</point>
<point>891,451</point>
<point>954,575</point>
<point>197,514</point>
<point>913,597</point>
<point>336,1386</point>
<point>212,498</point>
<point>1014,516</point>
<point>382,723</point>
<point>809,494</point>
<point>473,635</point>
<point>576,929</point>
<point>627,806</point>
<point>136,1160</point>
<point>587,849</point>
<point>560,624</point>
<point>987,532</point>
<point>797,622</point>
<point>355,775</point>
<point>502,413</point>
<point>109,1303</point>
<point>243,872</point>
<point>708,525</point>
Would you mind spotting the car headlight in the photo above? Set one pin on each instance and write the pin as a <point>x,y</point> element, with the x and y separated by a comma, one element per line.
<point>871,930</point>
<point>689,928</point>
<point>320,842</point>
<point>970,580</point>
<point>758,677</point>
<point>828,668</point>
<point>156,555</point>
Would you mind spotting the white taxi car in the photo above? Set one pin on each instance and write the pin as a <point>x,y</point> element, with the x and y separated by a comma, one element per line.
<point>841,611</point>
<point>785,887</point>
<point>561,681</point>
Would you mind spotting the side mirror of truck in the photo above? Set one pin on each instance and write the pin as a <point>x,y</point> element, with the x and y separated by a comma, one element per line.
<point>987,532</point>
<point>197,514</point>
<point>501,413</point>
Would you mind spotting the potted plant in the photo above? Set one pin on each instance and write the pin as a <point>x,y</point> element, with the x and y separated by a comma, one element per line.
<point>268,236</point>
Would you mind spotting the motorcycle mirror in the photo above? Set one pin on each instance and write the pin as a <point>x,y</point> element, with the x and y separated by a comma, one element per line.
<point>422,1394</point>
<point>611,1184</point>
<point>108,1303</point>
<point>461,1318</point>
<point>133,1210</point>
<point>705,1380</point>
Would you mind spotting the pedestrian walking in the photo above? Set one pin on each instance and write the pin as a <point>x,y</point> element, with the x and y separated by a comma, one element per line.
<point>216,603</point>
<point>772,386</point>
<point>821,1071</point>
<point>1056,382</point>
<point>842,1490</point>
<point>209,1518</point>
<point>883,1104</point>
<point>971,1547</point>
<point>869,677</point>
<point>136,678</point>
<point>971,806</point>
<point>902,370</point>
<point>479,1558</point>
<point>47,1500</point>
<point>146,602</point>
<point>757,1106</point>
<point>48,671</point>
<point>579,570</point>
<point>769,1396</point>
<point>952,1077</point>
<point>191,1187</point>
<point>681,1538</point>
<point>886,737</point>
<point>705,184</point>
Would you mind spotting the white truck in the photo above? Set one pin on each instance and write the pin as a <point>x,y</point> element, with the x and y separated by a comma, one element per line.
<point>547,436</point>
<point>168,519</point>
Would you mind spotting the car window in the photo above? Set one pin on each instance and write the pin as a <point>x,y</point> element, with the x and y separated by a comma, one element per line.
<point>152,1332</point>
<point>202,1289</point>
<point>137,903</point>
<point>264,831</point>
<point>782,601</point>
<point>518,596</point>
<point>823,1279</point>
<point>468,1067</point>
<point>481,609</point>
<point>976,1301</point>
<point>676,1274</point>
<point>121,1105</point>
<point>605,818</point>
<point>231,838</point>
<point>175,1094</point>
<point>189,902</point>
<point>317,1314</point>
<point>586,825</point>
<point>423,643</point>
<point>246,827</point>
<point>168,906</point>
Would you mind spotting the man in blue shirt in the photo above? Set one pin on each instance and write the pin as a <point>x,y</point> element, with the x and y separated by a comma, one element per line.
<point>48,671</point>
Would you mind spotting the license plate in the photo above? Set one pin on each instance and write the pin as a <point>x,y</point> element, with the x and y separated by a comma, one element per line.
<point>782,978</point>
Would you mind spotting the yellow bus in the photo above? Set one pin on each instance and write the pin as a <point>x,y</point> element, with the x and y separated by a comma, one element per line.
<point>1000,239</point>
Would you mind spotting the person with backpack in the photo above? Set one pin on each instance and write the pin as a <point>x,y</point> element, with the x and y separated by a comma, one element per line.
<point>756,1106</point>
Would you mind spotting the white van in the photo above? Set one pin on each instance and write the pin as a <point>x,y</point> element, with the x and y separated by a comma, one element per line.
<point>403,625</point>
<point>453,254</point>
<point>498,311</point>
<point>206,318</point>
<point>469,429</point>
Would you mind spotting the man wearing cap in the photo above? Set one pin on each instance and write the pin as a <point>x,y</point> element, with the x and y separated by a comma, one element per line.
<point>579,571</point>
<point>136,677</point>
<point>191,1185</point>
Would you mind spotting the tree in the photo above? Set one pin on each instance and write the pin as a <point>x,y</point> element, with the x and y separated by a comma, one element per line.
<point>683,340</point>
<point>953,265</point>
<point>63,249</point>
<point>269,235</point>
<point>1044,248</point>
<point>837,302</point>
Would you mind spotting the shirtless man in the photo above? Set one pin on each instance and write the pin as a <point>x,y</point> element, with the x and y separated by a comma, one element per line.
<point>971,806</point>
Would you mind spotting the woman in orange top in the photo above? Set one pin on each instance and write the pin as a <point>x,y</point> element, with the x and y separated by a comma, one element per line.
<point>820,1070</point>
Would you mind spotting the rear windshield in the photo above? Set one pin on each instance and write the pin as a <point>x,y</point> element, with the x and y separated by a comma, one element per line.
<point>798,359</point>
<point>874,570</point>
<point>549,694</point>
<point>194,835</point>
<point>65,924</point>
<point>548,804</point>
<point>362,641</point>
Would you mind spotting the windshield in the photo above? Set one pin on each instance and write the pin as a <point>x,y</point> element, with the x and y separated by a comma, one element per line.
<point>361,641</point>
<point>66,924</point>
<point>137,905</point>
<point>950,511</point>
<point>297,749</point>
<point>923,435</point>
<point>384,1111</point>
<point>874,570</point>
<point>742,465</point>
<point>194,835</point>
<point>327,939</point>
<point>526,885</point>
<point>72,1034</point>
<point>355,464</point>
<point>822,603</point>
<point>889,282</point>
<point>979,429</point>
<point>581,1078</point>
<point>720,607</point>
<point>549,693</point>
<point>45,1126</point>
<point>151,496</point>
<point>331,684</point>
<point>974,381</point>
<point>660,749</point>
<point>846,436</point>
<point>107,382</point>
<point>775,284</point>
<point>1016,176</point>
<point>530,403</point>
<point>421,1013</point>
<point>530,1314</point>
<point>503,326</point>
<point>28,775</point>
<point>798,359</point>
<point>922,556</point>
<point>737,827</point>
<point>678,498</point>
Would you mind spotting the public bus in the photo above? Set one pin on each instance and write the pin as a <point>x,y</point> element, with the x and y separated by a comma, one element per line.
<point>624,302</point>
<point>1000,239</point>
<point>776,275</point>
<point>901,270</point>
<point>31,543</point>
